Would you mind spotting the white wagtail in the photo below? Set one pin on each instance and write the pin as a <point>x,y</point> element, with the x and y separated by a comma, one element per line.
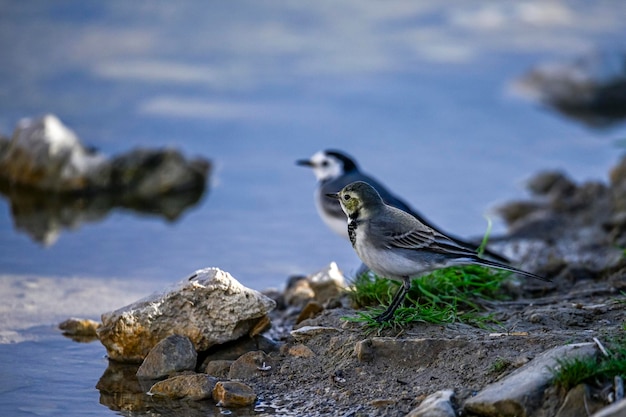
<point>334,170</point>
<point>395,245</point>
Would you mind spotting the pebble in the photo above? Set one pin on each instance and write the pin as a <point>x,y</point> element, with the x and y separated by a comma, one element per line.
<point>80,327</point>
<point>300,351</point>
<point>579,403</point>
<point>250,365</point>
<point>298,291</point>
<point>218,368</point>
<point>327,284</point>
<point>438,404</point>
<point>233,350</point>
<point>194,387</point>
<point>617,409</point>
<point>521,392</point>
<point>312,309</point>
<point>172,354</point>
<point>233,394</point>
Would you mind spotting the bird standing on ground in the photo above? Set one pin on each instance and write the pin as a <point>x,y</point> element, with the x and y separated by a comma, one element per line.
<point>334,170</point>
<point>396,245</point>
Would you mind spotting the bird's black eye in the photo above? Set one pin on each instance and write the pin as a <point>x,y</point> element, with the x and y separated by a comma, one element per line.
<point>346,197</point>
<point>324,163</point>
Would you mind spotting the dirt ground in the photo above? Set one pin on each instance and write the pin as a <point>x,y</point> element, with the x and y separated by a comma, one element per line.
<point>463,358</point>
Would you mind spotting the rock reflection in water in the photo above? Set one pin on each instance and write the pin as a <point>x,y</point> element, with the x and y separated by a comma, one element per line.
<point>120,389</point>
<point>54,182</point>
<point>43,215</point>
<point>124,393</point>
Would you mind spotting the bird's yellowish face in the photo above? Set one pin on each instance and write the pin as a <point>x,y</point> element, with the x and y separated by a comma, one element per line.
<point>358,199</point>
<point>349,200</point>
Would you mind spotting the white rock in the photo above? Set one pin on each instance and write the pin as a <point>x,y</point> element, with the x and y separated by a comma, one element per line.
<point>43,153</point>
<point>210,307</point>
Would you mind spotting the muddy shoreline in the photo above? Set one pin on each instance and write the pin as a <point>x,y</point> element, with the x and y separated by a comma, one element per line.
<point>325,365</point>
<point>569,232</point>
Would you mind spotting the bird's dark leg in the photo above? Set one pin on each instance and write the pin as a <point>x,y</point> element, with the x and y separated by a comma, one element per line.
<point>395,302</point>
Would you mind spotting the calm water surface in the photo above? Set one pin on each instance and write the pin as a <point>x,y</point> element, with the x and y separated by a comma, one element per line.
<point>417,92</point>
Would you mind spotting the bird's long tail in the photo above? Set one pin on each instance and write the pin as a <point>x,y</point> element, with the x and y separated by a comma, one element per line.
<point>498,265</point>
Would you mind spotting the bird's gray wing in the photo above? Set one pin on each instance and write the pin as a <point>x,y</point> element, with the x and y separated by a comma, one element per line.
<point>414,239</point>
<point>394,201</point>
<point>407,233</point>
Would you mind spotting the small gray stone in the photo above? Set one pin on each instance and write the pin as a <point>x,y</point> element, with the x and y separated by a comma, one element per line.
<point>438,404</point>
<point>521,392</point>
<point>173,354</point>
<point>194,387</point>
<point>551,182</point>
<point>579,403</point>
<point>298,292</point>
<point>312,309</point>
<point>250,365</point>
<point>327,283</point>
<point>233,394</point>
<point>79,327</point>
<point>300,351</point>
<point>322,287</point>
<point>218,368</point>
<point>145,174</point>
<point>617,409</point>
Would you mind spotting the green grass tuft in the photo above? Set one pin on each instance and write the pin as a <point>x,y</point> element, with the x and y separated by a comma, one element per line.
<point>571,372</point>
<point>444,296</point>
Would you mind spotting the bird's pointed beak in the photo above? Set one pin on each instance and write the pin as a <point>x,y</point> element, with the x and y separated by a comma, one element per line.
<point>305,163</point>
<point>333,195</point>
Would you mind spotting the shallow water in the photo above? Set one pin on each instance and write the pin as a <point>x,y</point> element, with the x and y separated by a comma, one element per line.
<point>50,377</point>
<point>417,92</point>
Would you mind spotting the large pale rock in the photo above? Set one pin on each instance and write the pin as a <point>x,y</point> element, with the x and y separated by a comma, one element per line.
<point>521,392</point>
<point>210,308</point>
<point>45,154</point>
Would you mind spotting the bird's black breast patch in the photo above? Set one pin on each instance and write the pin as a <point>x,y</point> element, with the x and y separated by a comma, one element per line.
<point>352,225</point>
